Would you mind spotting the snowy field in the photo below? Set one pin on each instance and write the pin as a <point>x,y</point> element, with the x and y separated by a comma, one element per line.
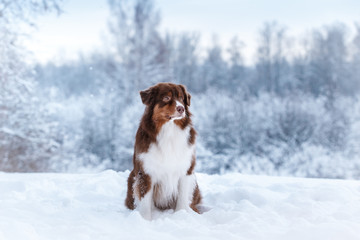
<point>90,206</point>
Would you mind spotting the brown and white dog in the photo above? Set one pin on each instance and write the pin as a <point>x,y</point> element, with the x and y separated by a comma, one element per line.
<point>164,156</point>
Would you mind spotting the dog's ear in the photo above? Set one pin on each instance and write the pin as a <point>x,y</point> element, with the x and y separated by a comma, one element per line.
<point>147,96</point>
<point>187,96</point>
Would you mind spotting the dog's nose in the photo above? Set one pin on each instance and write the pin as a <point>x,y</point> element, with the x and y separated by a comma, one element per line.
<point>180,109</point>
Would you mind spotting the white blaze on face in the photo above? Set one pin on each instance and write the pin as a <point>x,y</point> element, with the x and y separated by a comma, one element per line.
<point>179,104</point>
<point>178,115</point>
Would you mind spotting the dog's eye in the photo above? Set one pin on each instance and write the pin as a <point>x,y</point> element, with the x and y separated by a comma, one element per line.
<point>166,98</point>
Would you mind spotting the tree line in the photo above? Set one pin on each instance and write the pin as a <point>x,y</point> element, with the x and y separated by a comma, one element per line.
<point>290,112</point>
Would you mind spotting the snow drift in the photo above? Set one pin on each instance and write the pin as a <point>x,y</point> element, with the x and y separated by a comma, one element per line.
<point>90,206</point>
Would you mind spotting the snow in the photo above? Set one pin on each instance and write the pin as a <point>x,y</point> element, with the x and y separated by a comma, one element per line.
<point>90,206</point>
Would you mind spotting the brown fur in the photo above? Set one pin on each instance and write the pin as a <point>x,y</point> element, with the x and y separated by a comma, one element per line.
<point>156,114</point>
<point>143,187</point>
<point>130,201</point>
<point>192,137</point>
<point>157,194</point>
<point>192,166</point>
<point>196,199</point>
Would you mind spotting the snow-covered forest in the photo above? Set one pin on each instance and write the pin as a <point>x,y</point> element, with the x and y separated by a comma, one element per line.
<point>294,111</point>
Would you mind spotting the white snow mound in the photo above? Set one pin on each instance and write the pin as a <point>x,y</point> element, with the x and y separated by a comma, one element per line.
<point>91,206</point>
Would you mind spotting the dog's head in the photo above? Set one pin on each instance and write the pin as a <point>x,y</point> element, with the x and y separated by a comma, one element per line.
<point>167,101</point>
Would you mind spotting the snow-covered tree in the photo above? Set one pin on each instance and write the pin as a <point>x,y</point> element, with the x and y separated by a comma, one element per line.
<point>271,65</point>
<point>354,85</point>
<point>26,141</point>
<point>236,73</point>
<point>214,68</point>
<point>138,46</point>
<point>328,55</point>
<point>186,65</point>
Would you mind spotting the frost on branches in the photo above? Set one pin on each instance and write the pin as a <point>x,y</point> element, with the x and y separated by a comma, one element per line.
<point>25,132</point>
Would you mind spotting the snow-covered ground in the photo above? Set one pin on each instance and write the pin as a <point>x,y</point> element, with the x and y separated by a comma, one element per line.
<point>90,206</point>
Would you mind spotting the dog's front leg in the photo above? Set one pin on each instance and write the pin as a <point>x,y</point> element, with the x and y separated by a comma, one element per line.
<point>146,205</point>
<point>144,196</point>
<point>186,188</point>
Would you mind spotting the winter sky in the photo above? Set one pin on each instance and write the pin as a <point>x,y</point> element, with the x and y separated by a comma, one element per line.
<point>83,25</point>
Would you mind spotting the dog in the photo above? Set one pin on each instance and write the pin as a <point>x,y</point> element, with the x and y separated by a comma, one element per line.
<point>164,154</point>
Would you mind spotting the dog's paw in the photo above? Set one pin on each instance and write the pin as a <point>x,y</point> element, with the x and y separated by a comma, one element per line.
<point>183,207</point>
<point>146,215</point>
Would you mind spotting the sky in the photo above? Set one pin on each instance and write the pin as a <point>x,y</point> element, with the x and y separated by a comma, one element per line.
<point>82,27</point>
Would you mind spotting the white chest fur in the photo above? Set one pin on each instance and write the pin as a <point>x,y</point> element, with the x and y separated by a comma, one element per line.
<point>167,160</point>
